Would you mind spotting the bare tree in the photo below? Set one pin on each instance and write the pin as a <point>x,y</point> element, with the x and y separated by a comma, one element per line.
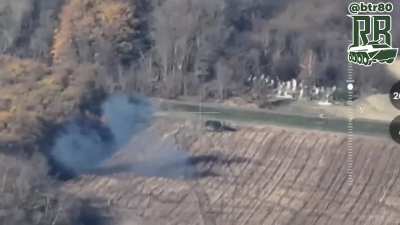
<point>308,65</point>
<point>27,195</point>
<point>224,74</point>
<point>12,15</point>
<point>180,32</point>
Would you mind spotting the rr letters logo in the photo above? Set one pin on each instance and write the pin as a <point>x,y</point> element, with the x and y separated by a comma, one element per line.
<point>372,34</point>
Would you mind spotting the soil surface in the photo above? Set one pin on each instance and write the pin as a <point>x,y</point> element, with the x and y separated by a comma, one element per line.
<point>258,175</point>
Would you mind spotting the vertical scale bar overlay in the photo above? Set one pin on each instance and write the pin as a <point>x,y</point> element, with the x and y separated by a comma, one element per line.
<point>371,44</point>
<point>350,89</point>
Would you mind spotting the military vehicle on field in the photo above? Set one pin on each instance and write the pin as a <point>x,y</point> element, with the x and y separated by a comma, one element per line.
<point>373,52</point>
<point>218,126</point>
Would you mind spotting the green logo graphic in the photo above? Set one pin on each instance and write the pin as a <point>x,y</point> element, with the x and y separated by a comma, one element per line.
<point>372,37</point>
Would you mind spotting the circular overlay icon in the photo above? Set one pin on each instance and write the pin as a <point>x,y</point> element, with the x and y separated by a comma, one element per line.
<point>395,95</point>
<point>394,129</point>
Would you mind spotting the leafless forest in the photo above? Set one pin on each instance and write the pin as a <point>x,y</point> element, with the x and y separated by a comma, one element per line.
<point>171,48</point>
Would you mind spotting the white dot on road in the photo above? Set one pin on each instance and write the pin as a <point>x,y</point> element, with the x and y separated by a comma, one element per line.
<point>350,86</point>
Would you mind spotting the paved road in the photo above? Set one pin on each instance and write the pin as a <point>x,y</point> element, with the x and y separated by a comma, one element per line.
<point>212,111</point>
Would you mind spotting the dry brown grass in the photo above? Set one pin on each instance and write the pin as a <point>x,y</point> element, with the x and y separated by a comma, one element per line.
<point>26,196</point>
<point>281,176</point>
<point>5,115</point>
<point>15,70</point>
<point>91,21</point>
<point>36,91</point>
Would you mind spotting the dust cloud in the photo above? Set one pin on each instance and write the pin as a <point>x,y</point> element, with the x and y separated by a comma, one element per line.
<point>83,144</point>
<point>122,143</point>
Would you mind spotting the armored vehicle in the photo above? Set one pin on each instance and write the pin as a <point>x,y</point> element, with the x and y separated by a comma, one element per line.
<point>373,52</point>
<point>218,126</point>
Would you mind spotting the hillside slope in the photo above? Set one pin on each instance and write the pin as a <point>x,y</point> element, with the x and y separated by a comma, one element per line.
<point>42,87</point>
<point>264,175</point>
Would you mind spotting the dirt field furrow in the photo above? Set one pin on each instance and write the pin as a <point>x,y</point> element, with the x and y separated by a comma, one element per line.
<point>328,200</point>
<point>282,190</point>
<point>362,171</point>
<point>374,190</point>
<point>315,194</point>
<point>303,175</point>
<point>318,206</point>
<point>262,175</point>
